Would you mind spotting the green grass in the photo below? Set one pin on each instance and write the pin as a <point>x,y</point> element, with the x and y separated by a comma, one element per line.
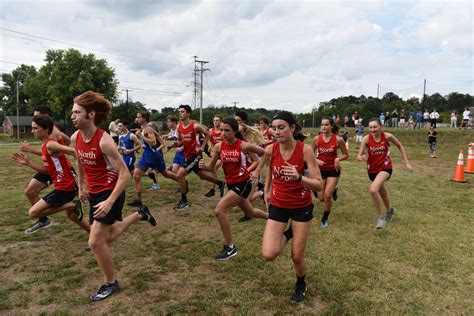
<point>420,264</point>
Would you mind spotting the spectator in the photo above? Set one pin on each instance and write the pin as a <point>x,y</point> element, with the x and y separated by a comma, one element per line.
<point>426,117</point>
<point>387,118</point>
<point>403,117</point>
<point>346,120</point>
<point>395,118</point>
<point>355,118</point>
<point>419,117</point>
<point>359,131</point>
<point>382,118</point>
<point>454,119</point>
<point>465,118</point>
<point>114,131</point>
<point>432,134</point>
<point>434,116</point>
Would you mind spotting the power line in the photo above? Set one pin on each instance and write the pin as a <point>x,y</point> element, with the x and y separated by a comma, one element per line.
<point>154,83</point>
<point>153,91</point>
<point>142,60</point>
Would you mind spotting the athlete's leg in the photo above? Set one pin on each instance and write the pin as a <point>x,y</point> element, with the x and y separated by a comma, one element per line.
<point>273,239</point>
<point>137,179</point>
<point>33,189</point>
<point>182,173</point>
<point>381,177</point>
<point>300,237</point>
<point>119,227</point>
<point>98,240</point>
<point>168,174</point>
<point>320,194</point>
<point>227,202</point>
<point>384,195</point>
<point>330,186</point>
<point>248,209</point>
<point>41,209</point>
<point>72,215</point>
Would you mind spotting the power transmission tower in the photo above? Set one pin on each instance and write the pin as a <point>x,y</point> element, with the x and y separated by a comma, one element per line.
<point>198,79</point>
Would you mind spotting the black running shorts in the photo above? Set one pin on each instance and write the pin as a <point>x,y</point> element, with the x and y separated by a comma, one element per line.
<point>242,189</point>
<point>43,178</point>
<point>282,215</point>
<point>115,213</point>
<point>330,174</point>
<point>192,164</point>
<point>57,198</point>
<point>372,176</point>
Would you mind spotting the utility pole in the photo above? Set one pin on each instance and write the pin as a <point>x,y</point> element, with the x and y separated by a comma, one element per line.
<point>235,104</point>
<point>313,116</point>
<point>196,91</point>
<point>424,91</point>
<point>18,109</point>
<point>378,89</point>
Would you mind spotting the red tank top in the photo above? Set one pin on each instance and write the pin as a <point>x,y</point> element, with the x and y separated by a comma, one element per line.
<point>188,137</point>
<point>59,169</point>
<point>286,192</point>
<point>379,154</point>
<point>234,162</point>
<point>98,171</point>
<point>216,136</point>
<point>327,152</point>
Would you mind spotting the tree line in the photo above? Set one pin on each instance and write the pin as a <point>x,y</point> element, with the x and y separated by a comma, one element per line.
<point>68,73</point>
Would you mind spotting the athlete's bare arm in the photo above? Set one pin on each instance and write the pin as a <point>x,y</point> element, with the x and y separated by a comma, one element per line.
<point>255,174</point>
<point>314,182</point>
<point>400,147</point>
<point>55,148</point>
<point>214,157</point>
<point>27,148</point>
<point>253,150</point>
<point>363,147</point>
<point>202,130</point>
<point>82,193</point>
<point>107,146</point>
<point>136,141</point>
<point>148,135</point>
<point>22,159</point>
<point>345,154</point>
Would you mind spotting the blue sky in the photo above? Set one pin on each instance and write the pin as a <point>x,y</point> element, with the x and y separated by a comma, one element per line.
<point>273,54</point>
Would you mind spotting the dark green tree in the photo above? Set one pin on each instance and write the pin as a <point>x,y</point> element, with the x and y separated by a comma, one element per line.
<point>8,91</point>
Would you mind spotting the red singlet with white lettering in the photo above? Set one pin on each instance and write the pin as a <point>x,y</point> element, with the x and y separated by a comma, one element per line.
<point>188,137</point>
<point>286,192</point>
<point>59,169</point>
<point>216,136</point>
<point>379,154</point>
<point>234,162</point>
<point>98,171</point>
<point>327,152</point>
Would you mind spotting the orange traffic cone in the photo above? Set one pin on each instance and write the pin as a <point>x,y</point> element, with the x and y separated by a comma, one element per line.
<point>459,173</point>
<point>470,161</point>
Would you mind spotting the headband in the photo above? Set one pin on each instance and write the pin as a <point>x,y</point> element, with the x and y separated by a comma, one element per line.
<point>285,116</point>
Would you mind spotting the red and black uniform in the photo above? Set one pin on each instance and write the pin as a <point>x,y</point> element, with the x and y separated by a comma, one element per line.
<point>190,141</point>
<point>289,198</point>
<point>378,156</point>
<point>267,136</point>
<point>327,152</point>
<point>64,180</point>
<point>216,136</point>
<point>101,178</point>
<point>44,177</point>
<point>234,165</point>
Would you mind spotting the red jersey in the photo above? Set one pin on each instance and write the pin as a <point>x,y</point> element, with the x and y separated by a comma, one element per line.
<point>98,171</point>
<point>286,192</point>
<point>327,152</point>
<point>59,169</point>
<point>267,136</point>
<point>234,162</point>
<point>379,154</point>
<point>216,136</point>
<point>188,137</point>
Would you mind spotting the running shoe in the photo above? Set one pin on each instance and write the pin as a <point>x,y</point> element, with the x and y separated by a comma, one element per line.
<point>226,253</point>
<point>105,291</point>
<point>211,192</point>
<point>324,224</point>
<point>222,187</point>
<point>389,215</point>
<point>135,203</point>
<point>181,205</point>
<point>380,222</point>
<point>155,186</point>
<point>39,225</point>
<point>244,218</point>
<point>88,248</point>
<point>144,212</point>
<point>299,293</point>
<point>78,210</point>
<point>334,194</point>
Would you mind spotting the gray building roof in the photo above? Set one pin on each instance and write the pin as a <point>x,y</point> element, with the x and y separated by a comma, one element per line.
<point>24,120</point>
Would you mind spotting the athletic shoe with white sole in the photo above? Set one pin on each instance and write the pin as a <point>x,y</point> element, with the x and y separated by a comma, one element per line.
<point>389,215</point>
<point>39,225</point>
<point>380,222</point>
<point>105,291</point>
<point>226,253</point>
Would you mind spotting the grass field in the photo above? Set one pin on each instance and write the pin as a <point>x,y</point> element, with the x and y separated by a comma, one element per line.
<point>422,263</point>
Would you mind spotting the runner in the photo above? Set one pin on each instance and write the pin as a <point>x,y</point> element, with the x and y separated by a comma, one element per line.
<point>377,145</point>
<point>188,131</point>
<point>41,181</point>
<point>326,145</point>
<point>215,138</point>
<point>232,151</point>
<point>59,169</point>
<point>152,155</point>
<point>128,145</point>
<point>106,175</point>
<point>288,195</point>
<point>178,160</point>
<point>267,132</point>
